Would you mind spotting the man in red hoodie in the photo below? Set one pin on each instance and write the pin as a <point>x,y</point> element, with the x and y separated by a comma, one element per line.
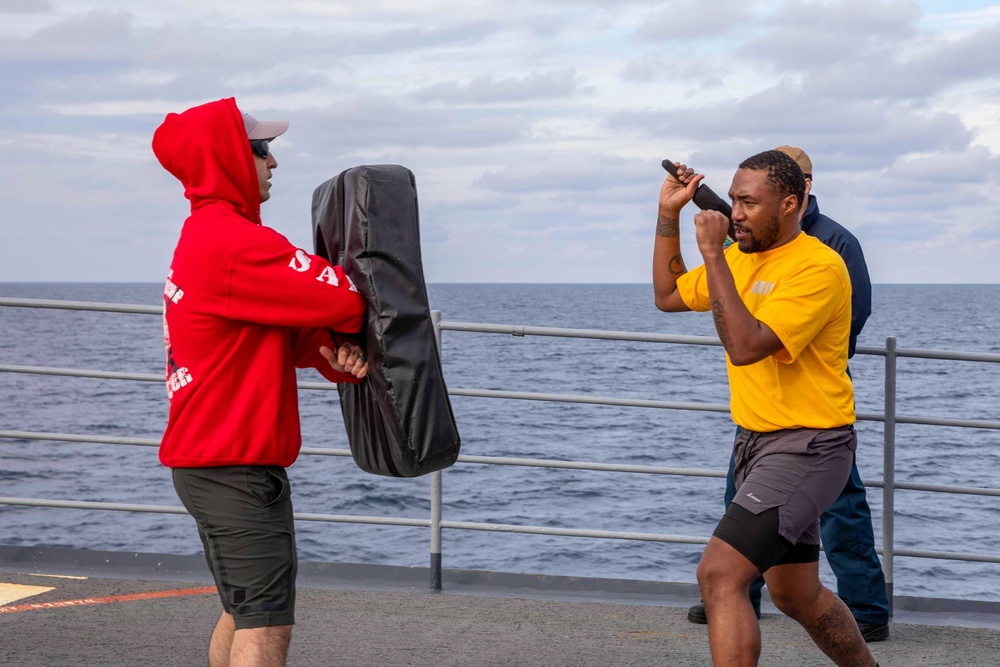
<point>242,309</point>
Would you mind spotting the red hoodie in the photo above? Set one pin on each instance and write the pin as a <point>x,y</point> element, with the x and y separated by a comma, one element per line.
<point>242,307</point>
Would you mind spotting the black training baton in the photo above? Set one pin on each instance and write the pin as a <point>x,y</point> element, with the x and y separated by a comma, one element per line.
<point>706,199</point>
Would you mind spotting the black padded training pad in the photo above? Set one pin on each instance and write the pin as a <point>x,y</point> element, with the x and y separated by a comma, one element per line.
<point>399,420</point>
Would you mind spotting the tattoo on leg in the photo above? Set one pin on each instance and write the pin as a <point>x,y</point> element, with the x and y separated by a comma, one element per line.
<point>717,317</point>
<point>668,227</point>
<point>676,265</point>
<point>832,619</point>
<point>836,635</point>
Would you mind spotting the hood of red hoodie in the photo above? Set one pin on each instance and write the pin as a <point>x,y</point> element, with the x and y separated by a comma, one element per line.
<point>207,150</point>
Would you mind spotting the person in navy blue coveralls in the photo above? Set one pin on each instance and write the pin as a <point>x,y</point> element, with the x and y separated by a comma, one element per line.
<point>846,527</point>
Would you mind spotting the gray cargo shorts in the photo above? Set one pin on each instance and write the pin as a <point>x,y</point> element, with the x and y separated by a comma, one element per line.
<point>244,517</point>
<point>799,471</point>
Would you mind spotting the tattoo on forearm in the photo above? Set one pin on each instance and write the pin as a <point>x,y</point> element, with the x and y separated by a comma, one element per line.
<point>719,324</point>
<point>676,265</point>
<point>667,227</point>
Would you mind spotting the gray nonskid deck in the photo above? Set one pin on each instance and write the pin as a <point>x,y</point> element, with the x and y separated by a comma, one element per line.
<point>382,616</point>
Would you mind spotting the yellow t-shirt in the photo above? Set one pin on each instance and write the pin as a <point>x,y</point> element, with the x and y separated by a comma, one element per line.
<point>802,291</point>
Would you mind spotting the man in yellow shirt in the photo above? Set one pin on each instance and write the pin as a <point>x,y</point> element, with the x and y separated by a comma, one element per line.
<point>781,302</point>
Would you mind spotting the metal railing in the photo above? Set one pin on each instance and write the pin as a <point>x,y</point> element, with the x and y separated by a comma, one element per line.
<point>437,523</point>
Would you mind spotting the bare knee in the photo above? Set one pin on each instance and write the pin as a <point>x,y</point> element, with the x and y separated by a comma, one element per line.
<point>796,599</point>
<point>724,571</point>
<point>711,575</point>
<point>787,602</point>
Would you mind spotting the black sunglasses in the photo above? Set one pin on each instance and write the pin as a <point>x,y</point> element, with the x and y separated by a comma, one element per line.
<point>260,148</point>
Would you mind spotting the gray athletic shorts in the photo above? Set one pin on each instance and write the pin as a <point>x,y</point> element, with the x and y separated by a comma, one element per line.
<point>244,517</point>
<point>799,471</point>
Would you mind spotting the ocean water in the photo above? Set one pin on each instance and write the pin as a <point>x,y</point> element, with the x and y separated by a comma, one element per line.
<point>956,317</point>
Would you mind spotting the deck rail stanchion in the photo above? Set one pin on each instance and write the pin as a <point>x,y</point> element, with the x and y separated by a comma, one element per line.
<point>436,493</point>
<point>889,467</point>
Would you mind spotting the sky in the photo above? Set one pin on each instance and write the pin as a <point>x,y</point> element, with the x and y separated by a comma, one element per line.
<point>535,129</point>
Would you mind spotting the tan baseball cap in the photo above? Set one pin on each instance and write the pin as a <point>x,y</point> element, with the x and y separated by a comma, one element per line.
<point>263,129</point>
<point>800,157</point>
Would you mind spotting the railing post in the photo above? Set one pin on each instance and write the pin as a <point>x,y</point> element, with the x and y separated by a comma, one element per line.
<point>889,468</point>
<point>436,494</point>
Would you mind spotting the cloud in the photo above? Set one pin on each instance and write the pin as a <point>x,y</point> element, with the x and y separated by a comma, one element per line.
<point>97,36</point>
<point>970,58</point>
<point>872,54</point>
<point>370,123</point>
<point>535,130</point>
<point>972,167</point>
<point>696,20</point>
<point>857,87</point>
<point>872,132</point>
<point>25,7</point>
<point>492,89</point>
<point>564,174</point>
<point>814,34</point>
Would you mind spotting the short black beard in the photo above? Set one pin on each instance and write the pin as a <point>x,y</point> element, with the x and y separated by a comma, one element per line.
<point>768,238</point>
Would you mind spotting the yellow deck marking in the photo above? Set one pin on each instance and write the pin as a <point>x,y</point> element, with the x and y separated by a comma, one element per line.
<point>13,592</point>
<point>58,576</point>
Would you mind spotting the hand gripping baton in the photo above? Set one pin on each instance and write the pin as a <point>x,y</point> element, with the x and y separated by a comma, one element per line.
<point>706,199</point>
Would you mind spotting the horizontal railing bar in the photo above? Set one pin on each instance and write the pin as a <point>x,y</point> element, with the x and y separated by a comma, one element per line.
<point>351,518</point>
<point>140,442</point>
<point>73,372</point>
<point>315,451</point>
<point>116,375</point>
<point>455,525</point>
<point>93,505</point>
<point>942,488</point>
<point>321,386</point>
<point>945,355</point>
<point>517,330</point>
<point>947,555</point>
<point>82,305</point>
<point>172,509</point>
<point>590,400</point>
<point>699,407</point>
<point>321,451</point>
<point>584,465</point>
<point>960,423</point>
<point>571,532</point>
<point>72,437</point>
<point>917,353</point>
<point>480,393</point>
<point>597,334</point>
<point>497,460</point>
<point>513,330</point>
<point>513,395</point>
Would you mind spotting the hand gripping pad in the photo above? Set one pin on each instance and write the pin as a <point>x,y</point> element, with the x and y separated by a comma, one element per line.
<point>399,419</point>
